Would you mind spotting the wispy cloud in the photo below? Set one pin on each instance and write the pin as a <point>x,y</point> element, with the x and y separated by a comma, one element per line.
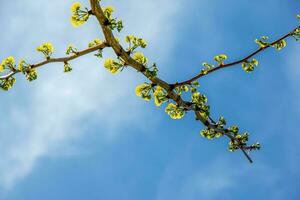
<point>292,72</point>
<point>217,180</point>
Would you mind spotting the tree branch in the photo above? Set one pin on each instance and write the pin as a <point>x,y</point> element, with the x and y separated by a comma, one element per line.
<point>222,66</point>
<point>119,51</point>
<point>62,59</point>
<point>125,56</point>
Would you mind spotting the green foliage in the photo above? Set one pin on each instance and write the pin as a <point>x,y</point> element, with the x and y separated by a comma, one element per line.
<point>7,84</point>
<point>206,68</point>
<point>296,34</point>
<point>255,146</point>
<point>200,104</point>
<point>8,64</point>
<point>144,91</point>
<point>46,48</point>
<point>234,129</point>
<point>210,133</point>
<point>67,67</point>
<point>220,59</point>
<point>134,42</point>
<point>94,43</point>
<point>221,122</point>
<point>183,88</point>
<point>193,86</point>
<point>248,66</point>
<point>80,16</point>
<point>279,45</point>
<point>113,66</point>
<point>160,96</point>
<point>31,74</point>
<point>238,141</point>
<point>263,42</point>
<point>175,111</point>
<point>140,58</point>
<point>112,23</point>
<point>71,50</point>
<point>152,71</point>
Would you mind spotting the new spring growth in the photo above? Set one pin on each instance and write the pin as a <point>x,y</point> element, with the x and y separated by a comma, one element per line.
<point>96,42</point>
<point>279,45</point>
<point>220,59</point>
<point>144,91</point>
<point>249,66</point>
<point>200,104</point>
<point>183,88</point>
<point>79,16</point>
<point>7,83</point>
<point>134,42</point>
<point>160,96</point>
<point>29,72</point>
<point>8,63</point>
<point>46,48</point>
<point>175,111</point>
<point>263,42</point>
<point>112,23</point>
<point>297,31</point>
<point>140,58</point>
<point>113,66</point>
<point>212,133</point>
<point>71,50</point>
<point>67,67</point>
<point>207,66</point>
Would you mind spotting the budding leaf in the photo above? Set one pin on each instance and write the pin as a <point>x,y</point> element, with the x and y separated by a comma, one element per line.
<point>249,66</point>
<point>220,59</point>
<point>262,42</point>
<point>174,111</point>
<point>279,45</point>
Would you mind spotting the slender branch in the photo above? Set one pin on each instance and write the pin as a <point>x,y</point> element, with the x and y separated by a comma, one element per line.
<point>62,59</point>
<point>246,155</point>
<point>129,61</point>
<point>222,66</point>
<point>226,133</point>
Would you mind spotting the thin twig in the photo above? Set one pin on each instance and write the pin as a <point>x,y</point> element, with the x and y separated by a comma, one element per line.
<point>222,66</point>
<point>62,59</point>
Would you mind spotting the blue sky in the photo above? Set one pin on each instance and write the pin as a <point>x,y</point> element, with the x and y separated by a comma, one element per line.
<point>85,135</point>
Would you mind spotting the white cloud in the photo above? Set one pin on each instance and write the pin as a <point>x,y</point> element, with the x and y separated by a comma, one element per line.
<point>45,115</point>
<point>207,184</point>
<point>215,180</point>
<point>293,71</point>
